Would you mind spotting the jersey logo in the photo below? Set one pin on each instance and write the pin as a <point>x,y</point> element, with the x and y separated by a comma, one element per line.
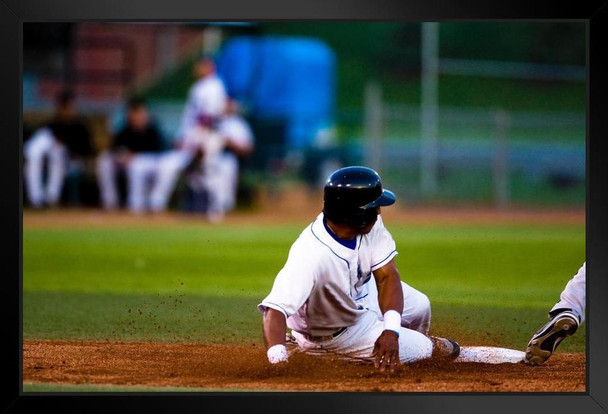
<point>361,278</point>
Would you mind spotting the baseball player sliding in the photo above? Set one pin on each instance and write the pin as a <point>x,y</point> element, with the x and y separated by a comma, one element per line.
<point>340,291</point>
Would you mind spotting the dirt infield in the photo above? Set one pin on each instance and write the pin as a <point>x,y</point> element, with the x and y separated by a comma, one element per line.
<point>244,368</point>
<point>95,218</point>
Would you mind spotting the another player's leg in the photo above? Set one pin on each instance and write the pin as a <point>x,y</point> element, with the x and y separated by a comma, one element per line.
<point>141,168</point>
<point>216,185</point>
<point>106,178</point>
<point>573,296</point>
<point>545,341</point>
<point>565,318</point>
<point>35,151</point>
<point>169,168</point>
<point>230,174</point>
<point>58,160</point>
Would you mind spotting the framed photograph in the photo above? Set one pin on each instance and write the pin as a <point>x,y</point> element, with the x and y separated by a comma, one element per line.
<point>412,193</point>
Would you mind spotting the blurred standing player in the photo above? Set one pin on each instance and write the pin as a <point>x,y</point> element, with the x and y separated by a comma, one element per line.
<point>135,150</point>
<point>197,134</point>
<point>340,291</point>
<point>65,142</point>
<point>566,316</point>
<point>219,174</point>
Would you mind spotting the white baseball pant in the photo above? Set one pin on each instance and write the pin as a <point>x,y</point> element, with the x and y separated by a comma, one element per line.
<point>416,313</point>
<point>106,178</point>
<point>170,166</point>
<point>220,178</point>
<point>573,296</point>
<point>43,145</point>
<point>141,169</point>
<point>358,341</point>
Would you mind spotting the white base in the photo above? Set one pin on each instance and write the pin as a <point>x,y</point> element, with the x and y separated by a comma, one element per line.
<point>489,355</point>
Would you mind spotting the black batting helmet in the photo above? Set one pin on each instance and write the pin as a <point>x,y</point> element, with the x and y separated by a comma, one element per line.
<point>352,194</point>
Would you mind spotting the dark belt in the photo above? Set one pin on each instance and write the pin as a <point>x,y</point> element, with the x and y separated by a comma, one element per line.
<point>326,337</point>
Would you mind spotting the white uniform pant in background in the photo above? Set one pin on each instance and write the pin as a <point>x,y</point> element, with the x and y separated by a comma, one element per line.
<point>220,178</point>
<point>573,295</point>
<point>170,166</point>
<point>358,341</point>
<point>106,179</point>
<point>43,145</point>
<point>140,172</point>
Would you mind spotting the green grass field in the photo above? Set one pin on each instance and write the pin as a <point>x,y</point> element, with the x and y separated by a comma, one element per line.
<point>488,284</point>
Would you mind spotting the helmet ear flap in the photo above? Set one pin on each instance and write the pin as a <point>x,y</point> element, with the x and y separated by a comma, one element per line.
<point>366,217</point>
<point>359,218</point>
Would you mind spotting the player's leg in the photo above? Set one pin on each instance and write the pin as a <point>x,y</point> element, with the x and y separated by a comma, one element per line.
<point>544,342</point>
<point>565,318</point>
<point>75,168</point>
<point>140,169</point>
<point>230,176</point>
<point>58,160</point>
<point>358,341</point>
<point>106,178</point>
<point>169,168</point>
<point>416,313</point>
<point>573,295</point>
<point>416,309</point>
<point>35,150</point>
<point>216,184</point>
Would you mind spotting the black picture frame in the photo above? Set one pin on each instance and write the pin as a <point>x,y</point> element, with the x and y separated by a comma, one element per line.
<point>13,13</point>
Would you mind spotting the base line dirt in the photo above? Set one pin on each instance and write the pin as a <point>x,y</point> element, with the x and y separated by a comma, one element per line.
<point>245,368</point>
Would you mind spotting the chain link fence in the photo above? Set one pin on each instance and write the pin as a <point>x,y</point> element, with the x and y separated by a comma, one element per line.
<point>481,156</point>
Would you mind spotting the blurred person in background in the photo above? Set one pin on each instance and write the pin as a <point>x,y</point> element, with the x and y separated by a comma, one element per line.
<point>197,136</point>
<point>64,143</point>
<point>135,151</point>
<point>218,175</point>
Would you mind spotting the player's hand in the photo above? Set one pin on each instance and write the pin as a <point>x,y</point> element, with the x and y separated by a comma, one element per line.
<point>386,351</point>
<point>277,354</point>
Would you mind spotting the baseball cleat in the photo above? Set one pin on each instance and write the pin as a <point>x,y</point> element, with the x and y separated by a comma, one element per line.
<point>445,348</point>
<point>290,342</point>
<point>545,341</point>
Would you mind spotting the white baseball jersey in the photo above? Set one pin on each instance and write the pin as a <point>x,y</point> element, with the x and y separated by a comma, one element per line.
<point>323,286</point>
<point>207,97</point>
<point>573,296</point>
<point>236,129</point>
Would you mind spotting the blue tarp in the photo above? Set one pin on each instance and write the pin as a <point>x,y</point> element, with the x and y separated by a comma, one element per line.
<point>285,78</point>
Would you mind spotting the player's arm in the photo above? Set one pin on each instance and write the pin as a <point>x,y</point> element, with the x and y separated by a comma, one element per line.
<point>290,290</point>
<point>390,298</point>
<point>274,326</point>
<point>390,294</point>
<point>239,149</point>
<point>188,118</point>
